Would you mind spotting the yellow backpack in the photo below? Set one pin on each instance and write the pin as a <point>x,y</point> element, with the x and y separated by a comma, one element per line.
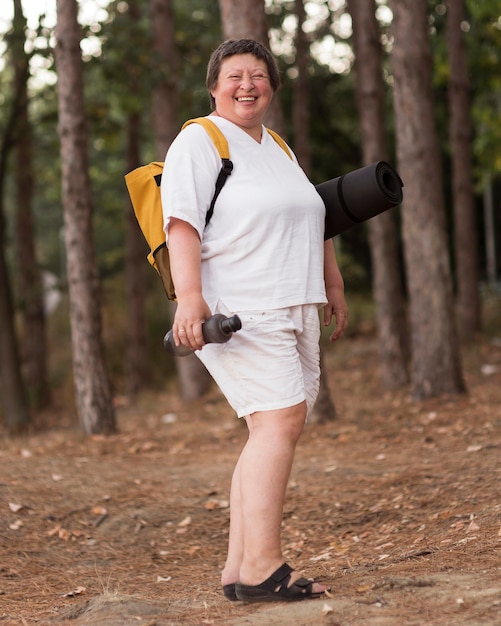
<point>143,185</point>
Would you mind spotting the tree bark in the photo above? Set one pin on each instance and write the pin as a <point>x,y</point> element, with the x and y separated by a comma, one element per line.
<point>461,134</point>
<point>93,395</point>
<point>165,94</point>
<point>246,19</point>
<point>387,278</point>
<point>33,336</point>
<point>301,103</point>
<point>13,400</point>
<point>137,368</point>
<point>436,364</point>
<point>194,379</point>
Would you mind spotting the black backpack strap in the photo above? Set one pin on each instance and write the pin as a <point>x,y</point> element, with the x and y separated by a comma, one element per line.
<point>224,172</point>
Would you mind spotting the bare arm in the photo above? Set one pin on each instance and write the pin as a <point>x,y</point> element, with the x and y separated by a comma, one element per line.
<point>192,310</point>
<point>334,287</point>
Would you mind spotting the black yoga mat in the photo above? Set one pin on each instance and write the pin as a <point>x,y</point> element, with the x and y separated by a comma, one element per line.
<point>359,195</point>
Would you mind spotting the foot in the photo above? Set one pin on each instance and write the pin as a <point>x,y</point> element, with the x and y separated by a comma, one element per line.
<point>284,585</point>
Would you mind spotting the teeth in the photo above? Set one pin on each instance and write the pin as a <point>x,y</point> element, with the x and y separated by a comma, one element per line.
<point>246,99</point>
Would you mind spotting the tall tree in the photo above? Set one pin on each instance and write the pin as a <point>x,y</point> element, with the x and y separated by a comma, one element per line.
<point>436,363</point>
<point>137,369</point>
<point>383,232</point>
<point>93,395</point>
<point>193,377</point>
<point>301,102</point>
<point>461,133</point>
<point>33,335</point>
<point>13,399</point>
<point>246,19</point>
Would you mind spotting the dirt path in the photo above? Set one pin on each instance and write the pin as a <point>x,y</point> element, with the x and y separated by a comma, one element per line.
<point>397,505</point>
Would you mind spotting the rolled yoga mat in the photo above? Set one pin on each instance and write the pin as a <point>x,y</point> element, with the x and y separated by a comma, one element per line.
<point>359,195</point>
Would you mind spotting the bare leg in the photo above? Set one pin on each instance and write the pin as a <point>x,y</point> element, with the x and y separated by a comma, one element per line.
<point>231,571</point>
<point>257,496</point>
<point>265,466</point>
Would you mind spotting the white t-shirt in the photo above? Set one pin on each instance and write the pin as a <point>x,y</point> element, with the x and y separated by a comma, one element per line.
<point>263,248</point>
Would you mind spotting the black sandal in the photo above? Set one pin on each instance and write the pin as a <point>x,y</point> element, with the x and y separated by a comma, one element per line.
<point>229,592</point>
<point>276,588</point>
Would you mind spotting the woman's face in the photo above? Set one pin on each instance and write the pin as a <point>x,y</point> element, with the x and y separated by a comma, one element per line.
<point>243,91</point>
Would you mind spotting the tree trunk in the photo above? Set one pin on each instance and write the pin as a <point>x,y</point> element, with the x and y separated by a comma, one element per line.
<point>301,103</point>
<point>436,363</point>
<point>383,234</point>
<point>324,410</point>
<point>137,368</point>
<point>93,395</point>
<point>461,133</point>
<point>246,19</point>
<point>33,337</point>
<point>193,377</point>
<point>13,400</point>
<point>165,90</point>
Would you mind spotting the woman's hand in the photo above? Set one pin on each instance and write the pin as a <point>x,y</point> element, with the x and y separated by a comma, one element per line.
<point>336,307</point>
<point>192,310</point>
<point>334,289</point>
<point>190,314</point>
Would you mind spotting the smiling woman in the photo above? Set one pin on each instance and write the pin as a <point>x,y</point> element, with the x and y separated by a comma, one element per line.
<point>263,249</point>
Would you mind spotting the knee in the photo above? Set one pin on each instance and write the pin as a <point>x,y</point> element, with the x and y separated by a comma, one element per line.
<point>287,424</point>
<point>293,421</point>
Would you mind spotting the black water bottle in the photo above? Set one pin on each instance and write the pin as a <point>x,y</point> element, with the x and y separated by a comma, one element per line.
<point>217,329</point>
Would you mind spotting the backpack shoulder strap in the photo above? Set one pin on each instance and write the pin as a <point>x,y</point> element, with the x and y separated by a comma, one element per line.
<point>219,140</point>
<point>280,142</point>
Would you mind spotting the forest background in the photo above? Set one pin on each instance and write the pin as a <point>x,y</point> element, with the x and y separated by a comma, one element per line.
<point>67,224</point>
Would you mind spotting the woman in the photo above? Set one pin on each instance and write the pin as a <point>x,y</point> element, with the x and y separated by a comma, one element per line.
<point>261,256</point>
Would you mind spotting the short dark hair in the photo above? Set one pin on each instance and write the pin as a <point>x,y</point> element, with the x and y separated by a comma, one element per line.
<point>231,47</point>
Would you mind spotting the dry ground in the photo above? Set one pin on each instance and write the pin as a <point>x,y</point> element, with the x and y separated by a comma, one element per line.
<point>396,504</point>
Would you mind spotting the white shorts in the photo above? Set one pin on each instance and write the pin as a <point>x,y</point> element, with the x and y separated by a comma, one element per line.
<point>273,362</point>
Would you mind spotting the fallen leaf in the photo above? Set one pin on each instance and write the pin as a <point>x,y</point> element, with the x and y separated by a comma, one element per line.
<point>64,534</point>
<point>16,525</point>
<point>98,510</point>
<point>163,579</point>
<point>169,418</point>
<point>15,508</point>
<point>472,527</point>
<point>56,477</point>
<point>326,609</point>
<point>185,522</point>
<point>76,592</point>
<point>211,505</point>
<point>54,531</point>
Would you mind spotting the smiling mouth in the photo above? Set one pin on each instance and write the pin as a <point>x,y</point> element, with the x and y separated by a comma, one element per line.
<point>246,99</point>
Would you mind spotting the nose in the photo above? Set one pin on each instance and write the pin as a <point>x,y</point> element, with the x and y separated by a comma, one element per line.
<point>247,82</point>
